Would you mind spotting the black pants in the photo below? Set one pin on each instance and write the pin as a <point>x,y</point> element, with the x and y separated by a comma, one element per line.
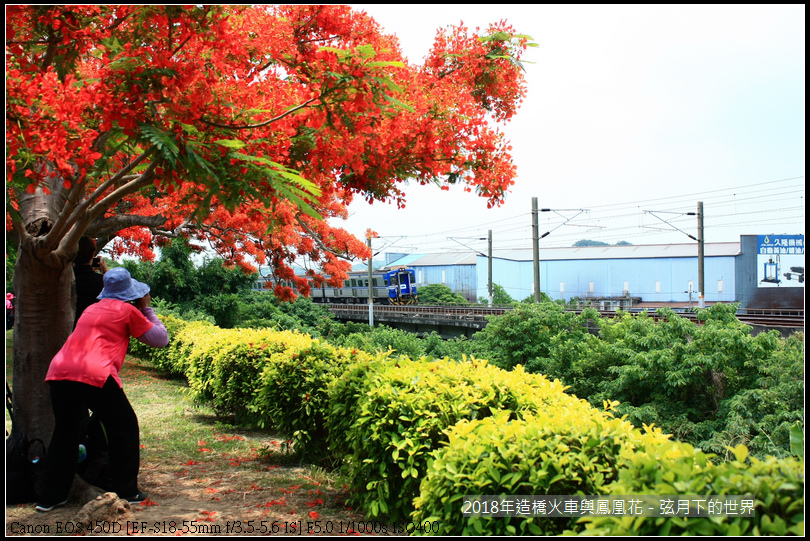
<point>70,401</point>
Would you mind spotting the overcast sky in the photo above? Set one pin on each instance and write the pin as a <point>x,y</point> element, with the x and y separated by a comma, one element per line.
<point>629,109</point>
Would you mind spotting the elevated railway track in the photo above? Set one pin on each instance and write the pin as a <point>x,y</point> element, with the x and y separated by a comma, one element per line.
<point>468,319</point>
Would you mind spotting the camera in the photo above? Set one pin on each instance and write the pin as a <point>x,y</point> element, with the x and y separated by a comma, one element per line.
<point>96,262</point>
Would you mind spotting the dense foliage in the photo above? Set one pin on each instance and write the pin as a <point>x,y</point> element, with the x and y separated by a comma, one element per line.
<point>412,436</point>
<point>439,294</point>
<point>499,296</point>
<point>710,383</point>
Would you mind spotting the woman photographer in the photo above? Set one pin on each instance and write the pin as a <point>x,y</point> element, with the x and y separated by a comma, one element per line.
<point>84,374</point>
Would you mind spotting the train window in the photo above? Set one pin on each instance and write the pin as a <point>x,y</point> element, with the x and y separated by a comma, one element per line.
<point>345,283</point>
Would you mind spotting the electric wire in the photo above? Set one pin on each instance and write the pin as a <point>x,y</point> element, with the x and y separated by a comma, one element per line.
<point>748,202</point>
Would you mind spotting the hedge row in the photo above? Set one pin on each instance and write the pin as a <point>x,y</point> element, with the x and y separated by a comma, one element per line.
<point>413,436</point>
<point>556,453</point>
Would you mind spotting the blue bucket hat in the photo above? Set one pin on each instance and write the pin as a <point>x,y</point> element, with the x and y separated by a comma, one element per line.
<point>118,284</point>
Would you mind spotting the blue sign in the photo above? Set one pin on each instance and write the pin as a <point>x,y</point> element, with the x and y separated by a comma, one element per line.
<point>780,244</point>
<point>780,260</point>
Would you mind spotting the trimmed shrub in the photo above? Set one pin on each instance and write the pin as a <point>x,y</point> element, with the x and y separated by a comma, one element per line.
<point>553,452</point>
<point>225,368</point>
<point>777,486</point>
<point>392,415</point>
<point>171,360</point>
<point>292,393</point>
<point>442,429</point>
<point>557,450</point>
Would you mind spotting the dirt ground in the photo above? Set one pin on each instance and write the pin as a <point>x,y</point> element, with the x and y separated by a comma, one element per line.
<point>195,503</point>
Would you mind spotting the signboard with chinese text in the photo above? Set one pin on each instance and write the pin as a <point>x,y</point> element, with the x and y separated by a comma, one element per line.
<point>780,260</point>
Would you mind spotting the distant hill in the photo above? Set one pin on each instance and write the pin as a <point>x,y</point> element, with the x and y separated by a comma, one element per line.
<point>588,242</point>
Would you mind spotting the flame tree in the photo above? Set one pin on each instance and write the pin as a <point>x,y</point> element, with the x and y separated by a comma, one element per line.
<point>242,127</point>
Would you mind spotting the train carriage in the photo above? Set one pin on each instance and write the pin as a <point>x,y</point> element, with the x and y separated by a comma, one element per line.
<point>389,286</point>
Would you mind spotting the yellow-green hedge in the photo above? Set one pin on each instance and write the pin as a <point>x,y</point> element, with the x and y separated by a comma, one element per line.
<point>391,416</point>
<point>557,453</point>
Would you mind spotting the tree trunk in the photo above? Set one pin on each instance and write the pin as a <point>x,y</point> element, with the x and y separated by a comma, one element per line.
<point>44,296</point>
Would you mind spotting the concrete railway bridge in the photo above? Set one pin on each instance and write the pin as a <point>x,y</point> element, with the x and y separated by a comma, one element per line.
<point>457,321</point>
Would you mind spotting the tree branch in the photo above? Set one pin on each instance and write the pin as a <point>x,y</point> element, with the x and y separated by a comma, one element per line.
<point>129,188</point>
<point>120,175</point>
<point>63,219</point>
<point>109,226</point>
<point>104,230</point>
<point>88,215</point>
<point>261,124</point>
<point>81,209</point>
<point>316,238</point>
<point>50,52</point>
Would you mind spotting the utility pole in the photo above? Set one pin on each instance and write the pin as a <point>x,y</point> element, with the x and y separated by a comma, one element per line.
<point>370,287</point>
<point>489,266</point>
<point>536,250</point>
<point>701,284</point>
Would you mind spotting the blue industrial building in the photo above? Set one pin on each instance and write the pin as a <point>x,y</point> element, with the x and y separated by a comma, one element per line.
<point>613,275</point>
<point>644,275</point>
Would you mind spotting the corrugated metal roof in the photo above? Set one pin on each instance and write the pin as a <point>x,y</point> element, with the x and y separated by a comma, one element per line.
<point>648,251</point>
<point>452,258</point>
<point>643,251</point>
<point>405,261</point>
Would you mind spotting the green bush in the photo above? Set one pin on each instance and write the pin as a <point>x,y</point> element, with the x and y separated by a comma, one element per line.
<point>555,451</point>
<point>761,416</point>
<point>378,339</point>
<point>524,335</point>
<point>710,383</point>
<point>224,308</point>
<point>391,415</point>
<point>439,294</point>
<point>225,367</point>
<point>679,375</point>
<point>181,347</point>
<point>777,486</point>
<point>292,393</point>
<point>261,309</point>
<point>456,348</point>
<point>499,296</point>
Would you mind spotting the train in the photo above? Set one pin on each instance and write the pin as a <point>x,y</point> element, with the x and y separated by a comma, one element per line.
<point>391,285</point>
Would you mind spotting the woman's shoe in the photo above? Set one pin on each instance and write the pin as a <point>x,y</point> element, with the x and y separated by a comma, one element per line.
<point>139,497</point>
<point>44,508</point>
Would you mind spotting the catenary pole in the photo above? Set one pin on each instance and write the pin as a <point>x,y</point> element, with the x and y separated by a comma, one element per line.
<point>489,266</point>
<point>536,250</point>
<point>370,286</point>
<point>701,284</point>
